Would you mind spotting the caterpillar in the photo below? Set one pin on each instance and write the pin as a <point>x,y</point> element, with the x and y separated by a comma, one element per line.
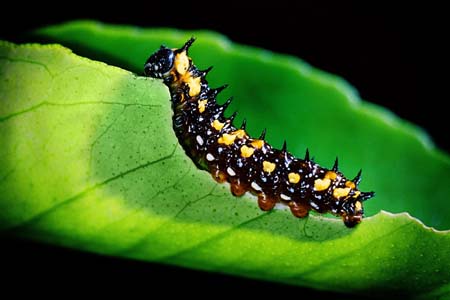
<point>249,164</point>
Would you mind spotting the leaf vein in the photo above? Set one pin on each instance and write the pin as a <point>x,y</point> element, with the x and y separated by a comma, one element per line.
<point>27,61</point>
<point>214,238</point>
<point>46,103</point>
<point>36,218</point>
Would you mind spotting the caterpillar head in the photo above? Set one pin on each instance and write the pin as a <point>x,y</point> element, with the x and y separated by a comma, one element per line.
<point>160,63</point>
<point>163,61</point>
<point>352,209</point>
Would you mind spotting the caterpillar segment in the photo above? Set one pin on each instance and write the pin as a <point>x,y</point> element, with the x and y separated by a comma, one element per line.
<point>249,164</point>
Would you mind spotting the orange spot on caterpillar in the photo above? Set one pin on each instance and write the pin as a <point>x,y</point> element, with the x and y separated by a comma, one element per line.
<point>268,166</point>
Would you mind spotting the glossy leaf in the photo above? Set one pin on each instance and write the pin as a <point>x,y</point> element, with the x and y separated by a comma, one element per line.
<point>89,160</point>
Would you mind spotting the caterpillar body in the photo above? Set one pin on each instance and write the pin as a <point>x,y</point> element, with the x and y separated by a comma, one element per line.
<point>249,164</point>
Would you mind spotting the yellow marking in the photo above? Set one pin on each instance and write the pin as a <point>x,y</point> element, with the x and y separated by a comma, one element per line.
<point>240,133</point>
<point>194,85</point>
<point>202,105</point>
<point>358,206</point>
<point>331,175</point>
<point>350,184</point>
<point>258,144</point>
<point>227,139</point>
<point>217,125</point>
<point>294,177</point>
<point>341,192</point>
<point>182,63</point>
<point>322,184</point>
<point>247,151</point>
<point>356,194</point>
<point>268,166</point>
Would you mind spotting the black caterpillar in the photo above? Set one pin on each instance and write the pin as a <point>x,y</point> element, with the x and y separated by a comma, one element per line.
<point>248,164</point>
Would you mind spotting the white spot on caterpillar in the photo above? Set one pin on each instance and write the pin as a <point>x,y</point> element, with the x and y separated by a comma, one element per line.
<point>314,205</point>
<point>255,186</point>
<point>285,197</point>
<point>199,140</point>
<point>210,157</point>
<point>231,172</point>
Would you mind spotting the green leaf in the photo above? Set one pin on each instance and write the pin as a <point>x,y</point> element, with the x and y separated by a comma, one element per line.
<point>89,160</point>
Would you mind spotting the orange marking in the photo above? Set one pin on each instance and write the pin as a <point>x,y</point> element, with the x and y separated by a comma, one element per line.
<point>217,125</point>
<point>294,177</point>
<point>202,105</point>
<point>350,184</point>
<point>240,133</point>
<point>341,192</point>
<point>226,139</point>
<point>322,184</point>
<point>268,166</point>
<point>247,151</point>
<point>182,63</point>
<point>258,144</point>
<point>331,175</point>
<point>194,86</point>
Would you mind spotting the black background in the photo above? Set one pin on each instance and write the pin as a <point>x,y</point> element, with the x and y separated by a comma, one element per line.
<point>395,55</point>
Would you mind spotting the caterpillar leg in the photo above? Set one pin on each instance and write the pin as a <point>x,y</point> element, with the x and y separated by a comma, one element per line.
<point>351,221</point>
<point>298,210</point>
<point>219,176</point>
<point>238,188</point>
<point>265,202</point>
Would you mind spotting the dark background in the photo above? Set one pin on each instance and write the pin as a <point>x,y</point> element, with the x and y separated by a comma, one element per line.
<point>395,55</point>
